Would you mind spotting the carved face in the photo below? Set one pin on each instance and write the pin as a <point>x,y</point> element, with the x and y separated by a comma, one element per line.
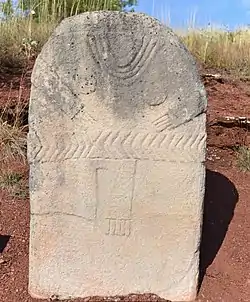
<point>123,56</point>
<point>127,74</point>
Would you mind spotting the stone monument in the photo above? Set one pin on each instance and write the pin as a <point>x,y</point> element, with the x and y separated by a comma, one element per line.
<point>116,149</point>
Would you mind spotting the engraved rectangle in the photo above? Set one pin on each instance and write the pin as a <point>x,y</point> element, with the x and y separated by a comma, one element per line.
<point>114,194</point>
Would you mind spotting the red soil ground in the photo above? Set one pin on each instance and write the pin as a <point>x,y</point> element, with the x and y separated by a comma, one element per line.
<point>225,248</point>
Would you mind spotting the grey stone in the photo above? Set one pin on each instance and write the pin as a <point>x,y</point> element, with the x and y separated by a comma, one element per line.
<point>116,148</point>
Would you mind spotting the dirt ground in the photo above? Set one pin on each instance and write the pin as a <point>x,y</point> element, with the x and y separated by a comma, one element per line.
<point>225,248</point>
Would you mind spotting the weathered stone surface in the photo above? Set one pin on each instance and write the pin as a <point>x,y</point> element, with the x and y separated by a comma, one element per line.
<point>116,150</point>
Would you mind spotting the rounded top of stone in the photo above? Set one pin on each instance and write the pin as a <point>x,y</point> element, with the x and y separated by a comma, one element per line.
<point>126,64</point>
<point>109,16</point>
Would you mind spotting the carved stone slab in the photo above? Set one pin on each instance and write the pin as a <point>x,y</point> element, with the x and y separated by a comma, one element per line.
<point>116,148</point>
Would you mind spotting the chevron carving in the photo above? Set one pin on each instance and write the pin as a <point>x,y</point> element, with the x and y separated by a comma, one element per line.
<point>109,144</point>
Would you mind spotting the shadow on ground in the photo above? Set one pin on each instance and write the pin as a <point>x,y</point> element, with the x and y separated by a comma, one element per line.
<point>4,239</point>
<point>221,197</point>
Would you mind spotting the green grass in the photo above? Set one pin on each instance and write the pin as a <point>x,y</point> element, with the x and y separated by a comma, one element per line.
<point>10,179</point>
<point>14,184</point>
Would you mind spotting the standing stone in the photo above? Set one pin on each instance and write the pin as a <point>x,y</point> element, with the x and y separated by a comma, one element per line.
<point>116,149</point>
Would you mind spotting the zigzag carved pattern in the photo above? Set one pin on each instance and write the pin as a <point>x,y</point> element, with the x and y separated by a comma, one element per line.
<point>108,144</point>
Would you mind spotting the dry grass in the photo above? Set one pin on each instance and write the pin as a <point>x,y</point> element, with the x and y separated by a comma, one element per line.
<point>13,127</point>
<point>221,49</point>
<point>12,137</point>
<point>21,38</point>
<point>243,155</point>
<point>24,37</point>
